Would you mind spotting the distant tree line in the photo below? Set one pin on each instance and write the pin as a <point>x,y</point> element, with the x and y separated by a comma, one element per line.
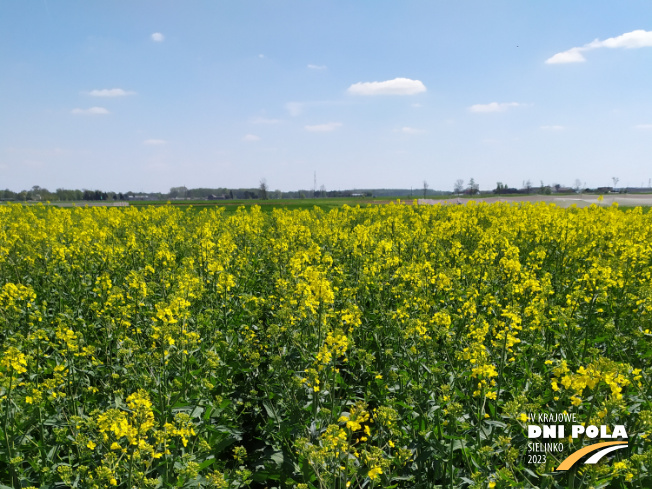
<point>40,194</point>
<point>472,188</point>
<point>263,192</point>
<point>37,193</point>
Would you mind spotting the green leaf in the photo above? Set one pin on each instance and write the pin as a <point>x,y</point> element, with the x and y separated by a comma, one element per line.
<point>271,412</point>
<point>207,463</point>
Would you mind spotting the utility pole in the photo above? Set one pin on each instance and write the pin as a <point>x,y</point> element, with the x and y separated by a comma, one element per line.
<point>314,186</point>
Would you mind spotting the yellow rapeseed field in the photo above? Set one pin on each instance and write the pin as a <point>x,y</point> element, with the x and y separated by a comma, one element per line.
<point>387,346</point>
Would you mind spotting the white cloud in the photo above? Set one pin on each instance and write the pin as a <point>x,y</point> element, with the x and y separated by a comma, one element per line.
<point>571,56</point>
<point>154,142</point>
<point>264,120</point>
<point>643,126</point>
<point>411,130</point>
<point>251,138</point>
<point>397,86</point>
<point>553,128</point>
<point>294,108</point>
<point>261,56</point>
<point>331,126</point>
<point>90,111</point>
<point>493,107</point>
<point>158,37</point>
<point>317,67</point>
<point>630,40</point>
<point>110,92</point>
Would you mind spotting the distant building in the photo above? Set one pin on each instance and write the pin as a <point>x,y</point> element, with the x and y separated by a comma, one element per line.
<point>141,197</point>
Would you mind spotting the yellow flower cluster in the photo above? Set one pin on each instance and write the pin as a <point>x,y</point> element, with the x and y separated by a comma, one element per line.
<point>14,360</point>
<point>602,371</point>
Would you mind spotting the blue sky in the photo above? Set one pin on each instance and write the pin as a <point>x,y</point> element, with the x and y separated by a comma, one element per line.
<point>147,95</point>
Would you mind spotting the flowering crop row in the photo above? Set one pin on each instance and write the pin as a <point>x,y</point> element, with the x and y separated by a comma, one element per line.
<point>387,346</point>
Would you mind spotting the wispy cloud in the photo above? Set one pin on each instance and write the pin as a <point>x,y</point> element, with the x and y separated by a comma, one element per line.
<point>294,108</point>
<point>643,126</point>
<point>317,67</point>
<point>298,108</point>
<point>630,40</point>
<point>573,55</point>
<point>110,92</point>
<point>45,152</point>
<point>553,128</point>
<point>154,142</point>
<point>397,86</point>
<point>411,130</point>
<point>158,37</point>
<point>493,107</point>
<point>265,120</point>
<point>251,138</point>
<point>330,126</point>
<point>90,111</point>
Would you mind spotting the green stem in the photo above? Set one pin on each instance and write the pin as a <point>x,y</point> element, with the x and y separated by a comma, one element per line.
<point>450,462</point>
<point>42,427</point>
<point>131,468</point>
<point>5,427</point>
<point>500,374</point>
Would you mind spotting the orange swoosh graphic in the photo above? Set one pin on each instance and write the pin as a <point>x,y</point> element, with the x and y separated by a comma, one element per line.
<point>575,456</point>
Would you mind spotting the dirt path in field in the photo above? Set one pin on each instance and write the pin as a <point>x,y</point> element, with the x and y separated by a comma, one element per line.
<point>580,200</point>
